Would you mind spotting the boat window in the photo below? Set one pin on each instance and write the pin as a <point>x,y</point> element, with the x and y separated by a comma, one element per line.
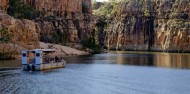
<point>37,54</point>
<point>24,54</point>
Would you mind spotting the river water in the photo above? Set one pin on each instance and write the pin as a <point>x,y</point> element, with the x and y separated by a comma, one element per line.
<point>109,73</point>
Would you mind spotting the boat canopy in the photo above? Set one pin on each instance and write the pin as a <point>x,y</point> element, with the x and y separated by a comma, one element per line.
<point>43,50</point>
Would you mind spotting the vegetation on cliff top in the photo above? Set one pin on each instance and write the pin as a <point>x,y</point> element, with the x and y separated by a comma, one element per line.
<point>106,9</point>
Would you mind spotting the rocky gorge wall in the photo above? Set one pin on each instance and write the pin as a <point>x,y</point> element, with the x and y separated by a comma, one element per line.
<point>159,25</point>
<point>59,21</point>
<point>67,20</point>
<point>3,6</point>
<point>60,7</point>
<point>24,32</point>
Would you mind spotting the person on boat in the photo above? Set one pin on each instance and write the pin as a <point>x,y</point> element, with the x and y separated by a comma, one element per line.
<point>33,61</point>
<point>28,54</point>
<point>46,60</point>
<point>56,59</point>
<point>28,59</point>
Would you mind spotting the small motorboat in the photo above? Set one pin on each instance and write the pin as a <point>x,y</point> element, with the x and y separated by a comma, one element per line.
<point>41,59</point>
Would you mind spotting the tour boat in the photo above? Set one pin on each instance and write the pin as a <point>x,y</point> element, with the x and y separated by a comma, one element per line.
<point>38,59</point>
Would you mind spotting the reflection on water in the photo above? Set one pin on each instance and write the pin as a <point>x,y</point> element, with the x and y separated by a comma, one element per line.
<point>10,63</point>
<point>171,60</point>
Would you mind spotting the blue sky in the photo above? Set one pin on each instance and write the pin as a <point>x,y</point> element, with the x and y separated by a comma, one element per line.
<point>101,0</point>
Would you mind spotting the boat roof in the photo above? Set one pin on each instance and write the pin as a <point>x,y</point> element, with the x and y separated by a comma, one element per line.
<point>43,50</point>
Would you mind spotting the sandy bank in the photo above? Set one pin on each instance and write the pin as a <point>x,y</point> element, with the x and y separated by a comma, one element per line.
<point>62,50</point>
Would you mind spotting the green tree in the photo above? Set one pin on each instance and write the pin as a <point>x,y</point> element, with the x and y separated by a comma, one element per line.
<point>60,37</point>
<point>146,13</point>
<point>91,43</point>
<point>4,36</point>
<point>7,51</point>
<point>113,2</point>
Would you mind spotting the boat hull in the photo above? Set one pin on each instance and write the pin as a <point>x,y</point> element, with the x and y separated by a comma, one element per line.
<point>39,67</point>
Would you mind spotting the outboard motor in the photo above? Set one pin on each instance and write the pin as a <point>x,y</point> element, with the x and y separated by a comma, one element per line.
<point>33,67</point>
<point>28,67</point>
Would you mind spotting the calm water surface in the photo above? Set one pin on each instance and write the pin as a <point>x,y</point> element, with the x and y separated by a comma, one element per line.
<point>109,73</point>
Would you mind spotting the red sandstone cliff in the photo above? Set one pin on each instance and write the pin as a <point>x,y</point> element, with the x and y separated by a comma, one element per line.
<point>23,32</point>
<point>3,5</point>
<point>160,25</point>
<point>60,7</point>
<point>65,18</point>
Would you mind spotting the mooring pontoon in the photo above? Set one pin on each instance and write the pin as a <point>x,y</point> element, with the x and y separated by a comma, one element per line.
<point>38,59</point>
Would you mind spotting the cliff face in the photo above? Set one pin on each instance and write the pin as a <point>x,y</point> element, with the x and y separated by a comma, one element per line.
<point>23,32</point>
<point>60,21</point>
<point>3,6</point>
<point>69,20</point>
<point>58,7</point>
<point>148,25</point>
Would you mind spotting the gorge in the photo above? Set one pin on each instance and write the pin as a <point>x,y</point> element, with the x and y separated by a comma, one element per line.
<point>146,45</point>
<point>140,25</point>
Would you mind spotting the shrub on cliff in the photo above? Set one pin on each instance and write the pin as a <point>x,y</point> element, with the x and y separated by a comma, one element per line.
<point>6,51</point>
<point>91,43</point>
<point>4,36</point>
<point>18,9</point>
<point>60,37</point>
<point>104,10</point>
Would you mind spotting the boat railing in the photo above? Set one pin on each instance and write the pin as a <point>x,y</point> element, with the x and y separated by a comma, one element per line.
<point>52,60</point>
